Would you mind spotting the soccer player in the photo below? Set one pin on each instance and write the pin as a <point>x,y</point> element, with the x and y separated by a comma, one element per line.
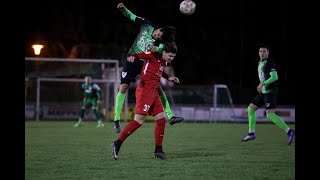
<point>149,36</point>
<point>147,98</point>
<point>92,98</point>
<point>267,92</point>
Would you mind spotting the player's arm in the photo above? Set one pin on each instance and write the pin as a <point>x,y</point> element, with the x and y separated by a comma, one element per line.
<point>127,13</point>
<point>158,49</point>
<point>273,73</point>
<point>82,88</point>
<point>98,91</point>
<point>170,78</point>
<point>273,77</point>
<point>142,55</point>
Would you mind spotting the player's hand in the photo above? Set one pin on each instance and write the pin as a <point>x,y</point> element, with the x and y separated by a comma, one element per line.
<point>259,87</point>
<point>174,79</point>
<point>120,6</point>
<point>130,59</point>
<point>153,48</point>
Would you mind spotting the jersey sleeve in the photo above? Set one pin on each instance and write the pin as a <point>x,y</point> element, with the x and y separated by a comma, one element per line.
<point>160,48</point>
<point>127,13</point>
<point>165,75</point>
<point>97,90</point>
<point>143,55</point>
<point>142,21</point>
<point>270,66</point>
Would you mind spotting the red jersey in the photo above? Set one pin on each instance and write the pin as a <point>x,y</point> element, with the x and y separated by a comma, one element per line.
<point>152,69</point>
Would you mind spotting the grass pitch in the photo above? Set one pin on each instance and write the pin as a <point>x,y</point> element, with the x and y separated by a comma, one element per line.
<point>57,150</point>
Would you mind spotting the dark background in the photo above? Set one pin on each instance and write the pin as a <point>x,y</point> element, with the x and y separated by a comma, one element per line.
<point>217,44</point>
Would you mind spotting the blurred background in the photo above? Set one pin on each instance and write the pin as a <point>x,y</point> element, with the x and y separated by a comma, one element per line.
<point>217,45</point>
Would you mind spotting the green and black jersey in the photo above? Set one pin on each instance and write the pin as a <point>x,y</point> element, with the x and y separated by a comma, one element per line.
<point>144,39</point>
<point>265,68</point>
<point>91,91</point>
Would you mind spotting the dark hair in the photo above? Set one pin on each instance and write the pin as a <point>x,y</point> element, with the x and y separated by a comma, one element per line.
<point>264,46</point>
<point>170,47</point>
<point>168,33</point>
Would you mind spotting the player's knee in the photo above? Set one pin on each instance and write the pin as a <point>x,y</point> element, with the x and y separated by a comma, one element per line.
<point>139,118</point>
<point>123,88</point>
<point>159,116</point>
<point>250,110</point>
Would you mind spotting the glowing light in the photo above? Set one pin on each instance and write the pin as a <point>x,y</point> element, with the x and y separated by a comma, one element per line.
<point>37,49</point>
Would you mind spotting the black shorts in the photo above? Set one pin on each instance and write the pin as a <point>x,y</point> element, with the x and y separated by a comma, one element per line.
<point>269,100</point>
<point>130,71</point>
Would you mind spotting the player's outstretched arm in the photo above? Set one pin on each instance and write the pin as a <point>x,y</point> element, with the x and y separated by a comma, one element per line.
<point>126,12</point>
<point>170,78</point>
<point>174,79</point>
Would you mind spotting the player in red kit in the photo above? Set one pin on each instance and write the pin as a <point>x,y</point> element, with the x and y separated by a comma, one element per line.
<point>148,101</point>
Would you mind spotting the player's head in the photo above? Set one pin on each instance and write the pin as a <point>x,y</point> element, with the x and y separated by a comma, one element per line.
<point>263,52</point>
<point>164,34</point>
<point>169,51</point>
<point>87,79</point>
<point>168,33</point>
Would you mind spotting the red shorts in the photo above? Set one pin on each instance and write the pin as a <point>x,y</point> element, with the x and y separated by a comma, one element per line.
<point>148,101</point>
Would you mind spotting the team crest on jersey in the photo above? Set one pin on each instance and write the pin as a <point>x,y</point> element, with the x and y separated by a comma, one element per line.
<point>124,74</point>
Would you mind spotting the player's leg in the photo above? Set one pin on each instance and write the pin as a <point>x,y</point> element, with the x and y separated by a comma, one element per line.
<point>119,104</point>
<point>257,102</point>
<point>159,129</point>
<point>84,106</point>
<point>167,108</point>
<point>128,75</point>
<point>129,129</point>
<point>96,112</point>
<point>139,118</point>
<point>270,100</point>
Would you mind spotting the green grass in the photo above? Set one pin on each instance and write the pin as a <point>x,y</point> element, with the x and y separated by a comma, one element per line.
<point>56,150</point>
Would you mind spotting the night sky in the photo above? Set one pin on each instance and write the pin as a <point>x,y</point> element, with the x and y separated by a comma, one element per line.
<point>217,44</point>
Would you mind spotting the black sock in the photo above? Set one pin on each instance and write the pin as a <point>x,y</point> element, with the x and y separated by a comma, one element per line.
<point>158,149</point>
<point>116,123</point>
<point>118,142</point>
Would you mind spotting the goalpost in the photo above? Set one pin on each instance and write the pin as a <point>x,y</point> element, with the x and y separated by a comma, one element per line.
<point>69,72</point>
<point>222,100</point>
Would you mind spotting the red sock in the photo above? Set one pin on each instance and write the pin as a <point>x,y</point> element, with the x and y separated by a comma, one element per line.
<point>129,129</point>
<point>159,131</point>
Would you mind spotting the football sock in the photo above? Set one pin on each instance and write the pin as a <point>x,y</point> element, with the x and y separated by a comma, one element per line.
<point>252,119</point>
<point>96,113</point>
<point>166,105</point>
<point>82,113</point>
<point>278,121</point>
<point>129,129</point>
<point>159,131</point>
<point>119,104</point>
<point>158,149</point>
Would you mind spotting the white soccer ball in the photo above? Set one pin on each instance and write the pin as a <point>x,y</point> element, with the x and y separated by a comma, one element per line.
<point>187,7</point>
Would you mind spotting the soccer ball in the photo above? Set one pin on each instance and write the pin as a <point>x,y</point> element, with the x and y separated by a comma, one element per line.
<point>187,7</point>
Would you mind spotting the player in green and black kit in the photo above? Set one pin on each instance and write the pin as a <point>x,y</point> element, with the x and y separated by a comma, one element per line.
<point>149,36</point>
<point>267,90</point>
<point>92,98</point>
